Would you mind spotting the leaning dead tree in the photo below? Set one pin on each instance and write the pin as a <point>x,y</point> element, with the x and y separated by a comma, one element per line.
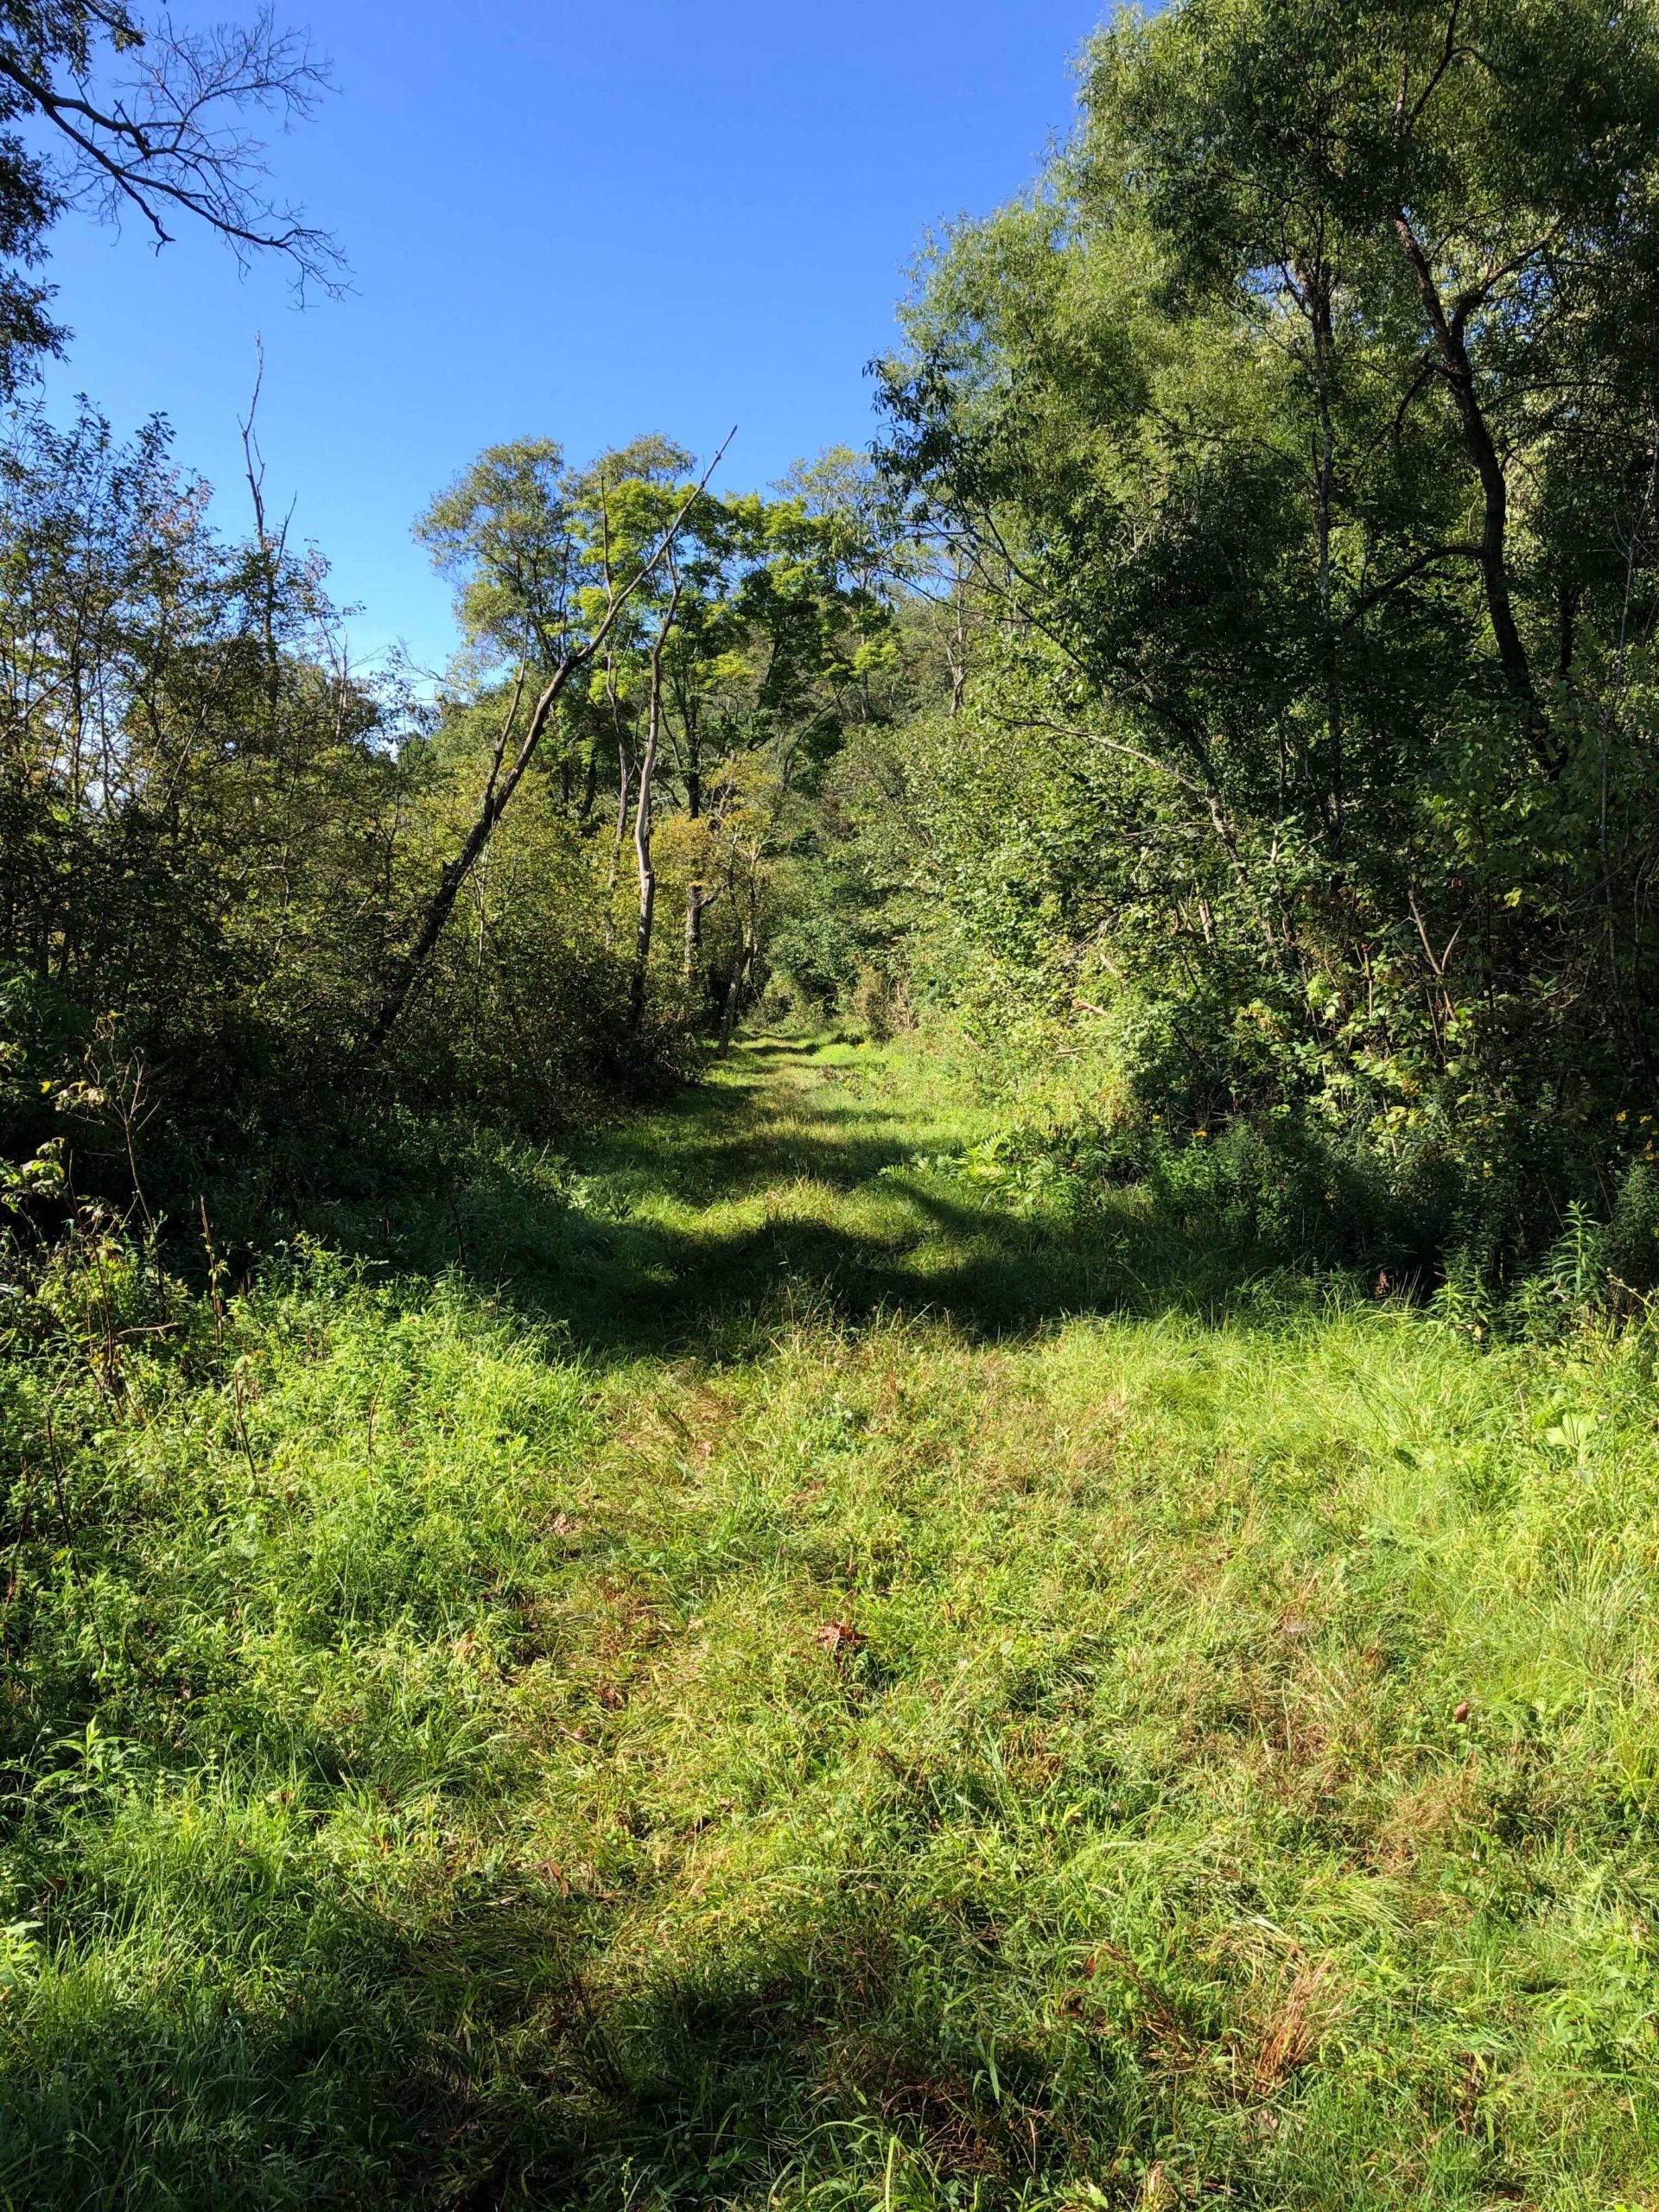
<point>504,780</point>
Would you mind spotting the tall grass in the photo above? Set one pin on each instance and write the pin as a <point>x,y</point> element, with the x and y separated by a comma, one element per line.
<point>742,1671</point>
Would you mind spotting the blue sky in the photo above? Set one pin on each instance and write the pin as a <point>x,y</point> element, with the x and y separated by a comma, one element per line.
<point>582,220</point>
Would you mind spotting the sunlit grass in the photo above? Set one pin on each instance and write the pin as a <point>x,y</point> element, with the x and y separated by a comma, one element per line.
<point>770,1681</point>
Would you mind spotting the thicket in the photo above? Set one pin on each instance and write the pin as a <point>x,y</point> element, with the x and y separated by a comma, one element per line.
<point>1287,458</point>
<point>269,926</point>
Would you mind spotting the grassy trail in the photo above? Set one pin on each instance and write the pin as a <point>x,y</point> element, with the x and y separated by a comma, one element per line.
<point>779,1679</point>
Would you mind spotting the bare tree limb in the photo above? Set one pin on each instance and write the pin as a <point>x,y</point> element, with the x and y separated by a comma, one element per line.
<point>1368,600</point>
<point>1458,373</point>
<point>164,143</point>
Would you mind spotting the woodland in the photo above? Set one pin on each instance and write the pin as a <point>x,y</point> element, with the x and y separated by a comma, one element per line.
<point>840,1391</point>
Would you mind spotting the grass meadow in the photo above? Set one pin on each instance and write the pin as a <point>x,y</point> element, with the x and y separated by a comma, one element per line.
<point>746,1671</point>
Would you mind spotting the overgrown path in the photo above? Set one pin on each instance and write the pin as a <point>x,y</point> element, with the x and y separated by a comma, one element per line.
<point>782,1676</point>
<point>796,1184</point>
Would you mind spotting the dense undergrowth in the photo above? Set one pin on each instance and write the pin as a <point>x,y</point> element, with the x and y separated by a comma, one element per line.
<point>1280,1194</point>
<point>751,1669</point>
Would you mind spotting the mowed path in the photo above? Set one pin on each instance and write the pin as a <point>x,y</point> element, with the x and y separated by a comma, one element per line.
<point>781,1678</point>
<point>1031,1718</point>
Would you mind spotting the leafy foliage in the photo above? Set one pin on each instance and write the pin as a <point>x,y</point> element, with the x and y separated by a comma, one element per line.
<point>1291,451</point>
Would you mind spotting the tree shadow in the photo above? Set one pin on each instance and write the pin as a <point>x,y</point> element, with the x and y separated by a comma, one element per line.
<point>621,1277</point>
<point>501,2046</point>
<point>796,2056</point>
<point>495,2065</point>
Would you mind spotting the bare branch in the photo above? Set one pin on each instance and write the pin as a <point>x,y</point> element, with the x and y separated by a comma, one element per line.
<point>1110,744</point>
<point>1368,600</point>
<point>166,141</point>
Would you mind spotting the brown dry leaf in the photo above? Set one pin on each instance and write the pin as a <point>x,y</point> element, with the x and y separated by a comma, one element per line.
<point>839,1637</point>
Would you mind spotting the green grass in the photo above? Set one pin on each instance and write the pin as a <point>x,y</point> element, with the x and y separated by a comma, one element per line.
<point>742,1672</point>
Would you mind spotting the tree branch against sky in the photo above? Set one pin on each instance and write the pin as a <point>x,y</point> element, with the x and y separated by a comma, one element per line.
<point>125,117</point>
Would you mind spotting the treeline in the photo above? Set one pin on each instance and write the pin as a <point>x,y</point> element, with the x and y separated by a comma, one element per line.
<point>269,923</point>
<point>1288,455</point>
<point>273,926</point>
<point>1233,670</point>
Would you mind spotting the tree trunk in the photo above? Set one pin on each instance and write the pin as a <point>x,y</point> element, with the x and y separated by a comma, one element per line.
<point>1318,289</point>
<point>500,789</point>
<point>642,822</point>
<point>957,659</point>
<point>643,861</point>
<point>623,792</point>
<point>1458,373</point>
<point>742,975</point>
<point>695,901</point>
<point>729,1011</point>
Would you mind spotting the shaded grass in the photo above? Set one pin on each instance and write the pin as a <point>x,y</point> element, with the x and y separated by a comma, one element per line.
<point>769,1681</point>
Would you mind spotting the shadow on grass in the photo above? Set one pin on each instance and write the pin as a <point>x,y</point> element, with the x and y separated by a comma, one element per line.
<point>830,2062</point>
<point>495,2046</point>
<point>487,2071</point>
<point>700,1228</point>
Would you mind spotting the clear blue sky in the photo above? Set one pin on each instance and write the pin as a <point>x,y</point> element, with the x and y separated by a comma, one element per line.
<point>581,219</point>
